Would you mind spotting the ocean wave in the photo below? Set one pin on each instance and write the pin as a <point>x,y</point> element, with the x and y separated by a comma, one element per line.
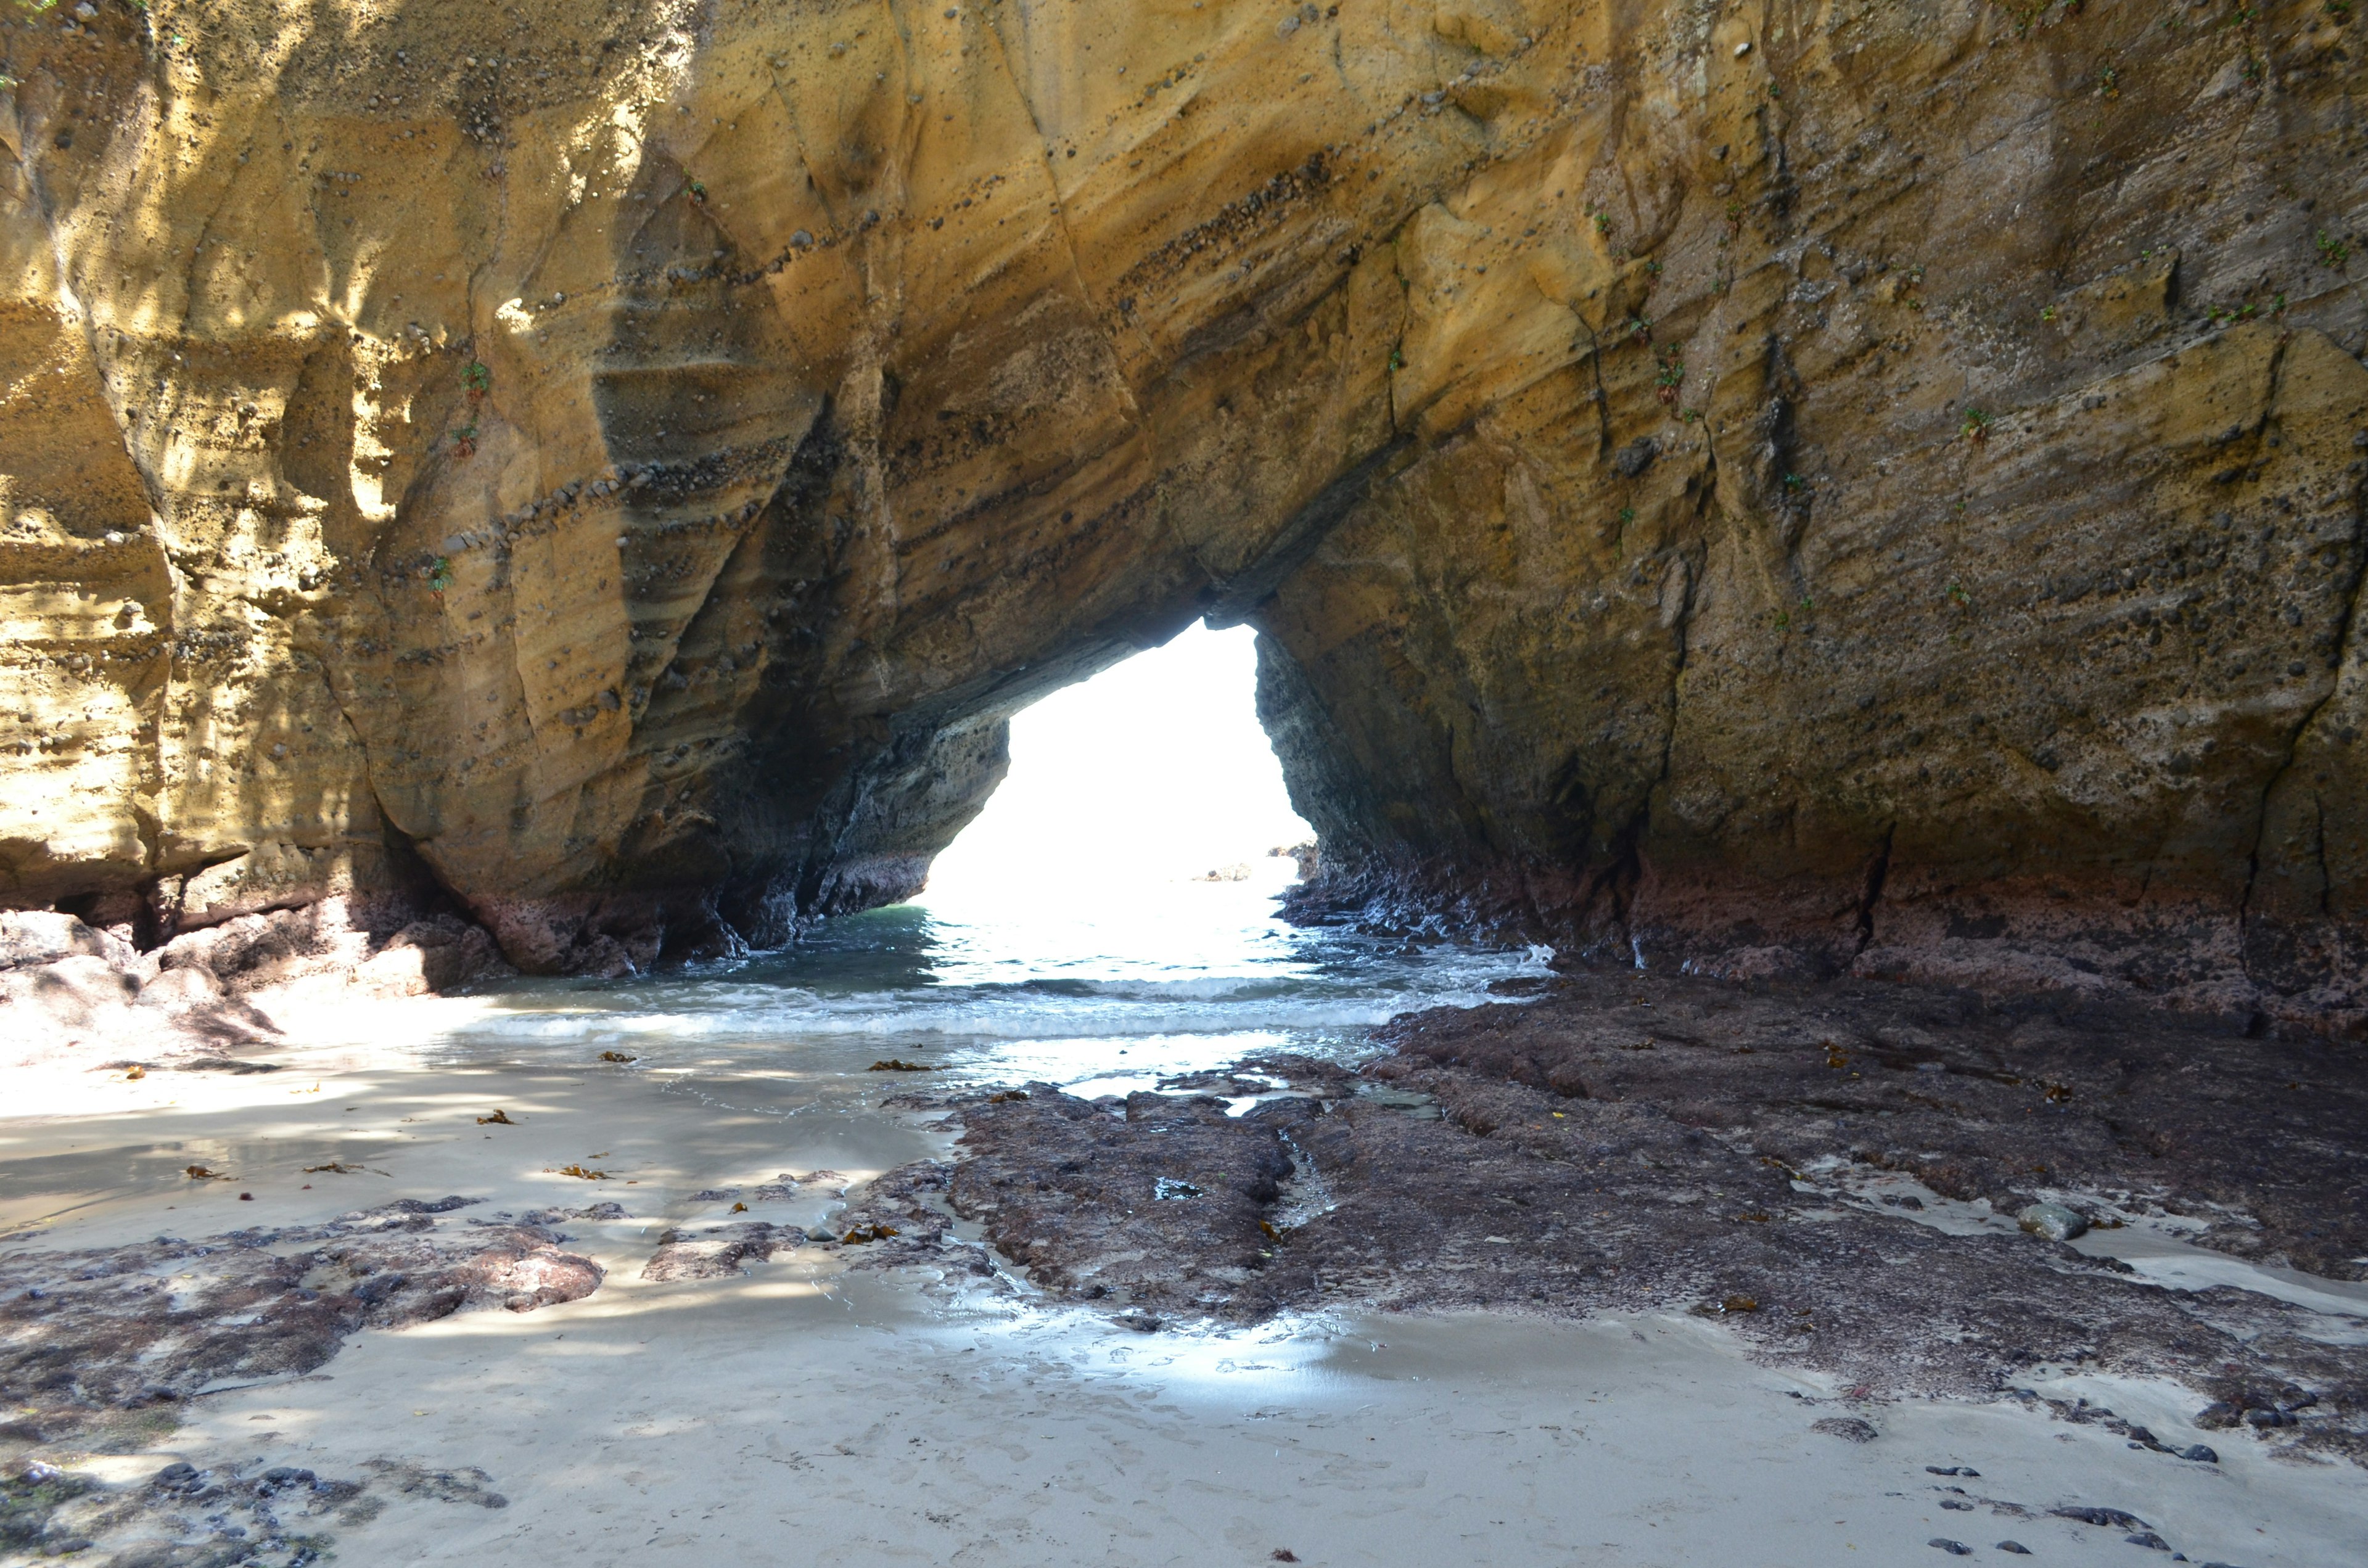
<point>1004,1017</point>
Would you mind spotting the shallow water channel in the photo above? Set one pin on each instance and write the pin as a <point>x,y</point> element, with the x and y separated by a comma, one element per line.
<point>806,1413</point>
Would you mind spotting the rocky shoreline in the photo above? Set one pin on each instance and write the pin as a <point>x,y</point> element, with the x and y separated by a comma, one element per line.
<point>1833,1171</point>
<point>80,996</point>
<point>1833,1174</point>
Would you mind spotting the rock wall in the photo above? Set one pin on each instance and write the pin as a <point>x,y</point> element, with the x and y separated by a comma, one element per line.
<point>1778,488</point>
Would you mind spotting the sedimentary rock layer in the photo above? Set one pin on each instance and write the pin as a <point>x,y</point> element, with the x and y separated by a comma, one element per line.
<point>1771,487</point>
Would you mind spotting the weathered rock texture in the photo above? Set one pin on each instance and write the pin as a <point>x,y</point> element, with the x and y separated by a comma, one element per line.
<point>1776,1156</point>
<point>1778,487</point>
<point>117,1328</point>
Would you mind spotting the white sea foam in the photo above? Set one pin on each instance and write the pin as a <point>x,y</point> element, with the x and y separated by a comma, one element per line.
<point>1173,960</point>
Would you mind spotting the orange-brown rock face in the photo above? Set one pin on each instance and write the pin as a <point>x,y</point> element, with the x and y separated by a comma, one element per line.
<point>1778,487</point>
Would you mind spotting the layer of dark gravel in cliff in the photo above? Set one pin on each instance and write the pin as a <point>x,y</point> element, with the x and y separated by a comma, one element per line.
<point>1645,1143</point>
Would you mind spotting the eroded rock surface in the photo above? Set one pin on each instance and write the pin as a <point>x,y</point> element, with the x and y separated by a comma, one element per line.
<point>1778,1158</point>
<point>85,1334</point>
<point>712,1252</point>
<point>1874,490</point>
<point>1167,1202</point>
<point>75,994</point>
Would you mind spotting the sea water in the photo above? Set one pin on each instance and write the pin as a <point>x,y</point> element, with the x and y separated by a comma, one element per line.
<point>808,1412</point>
<point>1036,981</point>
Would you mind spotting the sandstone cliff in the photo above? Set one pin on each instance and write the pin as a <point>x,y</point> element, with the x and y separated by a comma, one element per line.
<point>1775,487</point>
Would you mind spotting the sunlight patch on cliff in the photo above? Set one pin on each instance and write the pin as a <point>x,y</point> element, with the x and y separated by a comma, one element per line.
<point>1154,771</point>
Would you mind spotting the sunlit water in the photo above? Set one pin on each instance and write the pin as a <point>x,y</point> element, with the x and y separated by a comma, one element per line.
<point>675,1084</point>
<point>985,985</point>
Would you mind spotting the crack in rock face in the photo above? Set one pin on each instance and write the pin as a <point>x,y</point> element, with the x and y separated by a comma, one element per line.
<point>587,488</point>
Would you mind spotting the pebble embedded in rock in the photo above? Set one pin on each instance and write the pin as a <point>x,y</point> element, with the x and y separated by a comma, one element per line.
<point>1637,457</point>
<point>2053,1222</point>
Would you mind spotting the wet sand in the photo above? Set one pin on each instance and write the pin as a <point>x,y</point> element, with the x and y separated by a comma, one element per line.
<point>816,1410</point>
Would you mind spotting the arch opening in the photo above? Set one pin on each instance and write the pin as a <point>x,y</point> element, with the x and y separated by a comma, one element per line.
<point>1150,776</point>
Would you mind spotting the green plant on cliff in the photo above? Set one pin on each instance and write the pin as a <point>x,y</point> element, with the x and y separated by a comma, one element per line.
<point>439,575</point>
<point>1975,425</point>
<point>478,379</point>
<point>1671,376</point>
<point>2332,252</point>
<point>464,440</point>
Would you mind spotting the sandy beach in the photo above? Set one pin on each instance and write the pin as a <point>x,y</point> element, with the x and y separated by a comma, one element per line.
<point>810,1408</point>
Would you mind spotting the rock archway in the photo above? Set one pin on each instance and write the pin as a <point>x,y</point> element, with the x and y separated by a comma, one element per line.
<point>1784,490</point>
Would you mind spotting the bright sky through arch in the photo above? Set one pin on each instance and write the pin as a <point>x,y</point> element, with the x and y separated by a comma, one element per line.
<point>1153,771</point>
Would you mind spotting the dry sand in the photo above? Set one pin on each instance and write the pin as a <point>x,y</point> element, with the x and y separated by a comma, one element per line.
<point>808,1413</point>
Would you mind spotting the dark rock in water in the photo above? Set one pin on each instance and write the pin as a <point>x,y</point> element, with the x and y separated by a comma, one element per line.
<point>2149,1539</point>
<point>2014,1547</point>
<point>2201,1455</point>
<point>1850,1428</point>
<point>2219,1415</point>
<point>1953,1547</point>
<point>2053,1222</point>
<point>1951,1470</point>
